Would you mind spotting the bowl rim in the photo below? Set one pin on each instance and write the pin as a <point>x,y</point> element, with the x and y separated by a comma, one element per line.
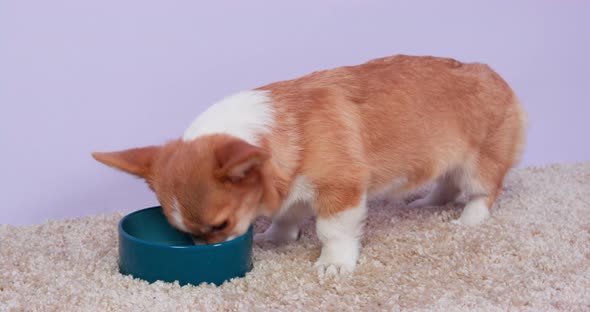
<point>191,247</point>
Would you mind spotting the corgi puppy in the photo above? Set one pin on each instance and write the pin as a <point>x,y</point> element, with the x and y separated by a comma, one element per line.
<point>322,144</point>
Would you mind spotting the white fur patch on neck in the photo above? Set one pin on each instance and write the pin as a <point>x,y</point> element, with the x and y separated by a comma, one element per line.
<point>244,115</point>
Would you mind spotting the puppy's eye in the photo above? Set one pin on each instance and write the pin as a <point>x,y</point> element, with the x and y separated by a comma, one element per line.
<point>219,227</point>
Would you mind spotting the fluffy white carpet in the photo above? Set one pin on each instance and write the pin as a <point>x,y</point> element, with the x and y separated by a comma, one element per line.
<point>534,254</point>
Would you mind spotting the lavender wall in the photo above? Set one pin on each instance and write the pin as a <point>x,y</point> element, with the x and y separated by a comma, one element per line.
<point>78,76</point>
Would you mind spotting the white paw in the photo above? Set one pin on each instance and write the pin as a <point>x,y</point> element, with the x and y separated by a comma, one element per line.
<point>475,212</point>
<point>326,268</point>
<point>337,259</point>
<point>277,236</point>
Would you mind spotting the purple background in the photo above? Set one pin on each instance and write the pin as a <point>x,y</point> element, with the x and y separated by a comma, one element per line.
<point>79,76</point>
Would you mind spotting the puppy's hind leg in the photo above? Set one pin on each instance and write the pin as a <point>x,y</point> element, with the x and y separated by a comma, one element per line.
<point>483,177</point>
<point>481,183</point>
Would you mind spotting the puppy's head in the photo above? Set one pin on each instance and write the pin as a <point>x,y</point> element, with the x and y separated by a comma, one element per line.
<point>210,187</point>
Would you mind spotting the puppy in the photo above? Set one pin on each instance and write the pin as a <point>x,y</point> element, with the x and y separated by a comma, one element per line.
<point>324,143</point>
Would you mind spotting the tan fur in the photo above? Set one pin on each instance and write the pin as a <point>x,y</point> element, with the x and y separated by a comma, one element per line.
<point>352,130</point>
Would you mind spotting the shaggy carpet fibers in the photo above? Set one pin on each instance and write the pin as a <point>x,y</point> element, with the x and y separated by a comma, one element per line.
<point>534,254</point>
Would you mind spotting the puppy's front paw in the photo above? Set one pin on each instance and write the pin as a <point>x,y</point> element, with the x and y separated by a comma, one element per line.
<point>337,259</point>
<point>333,268</point>
<point>277,236</point>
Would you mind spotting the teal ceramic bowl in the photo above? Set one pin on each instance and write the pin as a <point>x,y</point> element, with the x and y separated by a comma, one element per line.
<point>152,250</point>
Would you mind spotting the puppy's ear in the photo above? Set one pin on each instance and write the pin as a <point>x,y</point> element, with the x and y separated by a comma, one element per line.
<point>136,161</point>
<point>238,161</point>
